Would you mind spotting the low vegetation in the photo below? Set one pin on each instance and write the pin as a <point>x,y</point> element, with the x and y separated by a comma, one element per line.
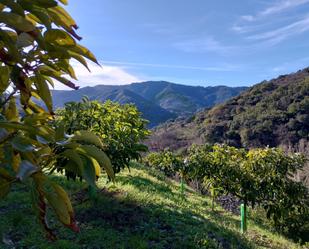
<point>259,177</point>
<point>142,209</point>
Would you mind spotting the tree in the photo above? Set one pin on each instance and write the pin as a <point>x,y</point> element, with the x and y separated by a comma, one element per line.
<point>37,42</point>
<point>261,177</point>
<point>167,162</point>
<point>119,127</point>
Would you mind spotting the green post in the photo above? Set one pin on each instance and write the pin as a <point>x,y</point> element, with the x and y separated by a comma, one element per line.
<point>243,216</point>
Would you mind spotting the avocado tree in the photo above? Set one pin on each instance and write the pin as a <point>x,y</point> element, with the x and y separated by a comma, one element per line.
<point>285,200</point>
<point>121,128</point>
<point>219,168</point>
<point>261,177</point>
<point>37,41</point>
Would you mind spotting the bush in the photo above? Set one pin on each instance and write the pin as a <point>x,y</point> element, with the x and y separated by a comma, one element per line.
<point>120,127</point>
<point>167,162</point>
<point>261,177</point>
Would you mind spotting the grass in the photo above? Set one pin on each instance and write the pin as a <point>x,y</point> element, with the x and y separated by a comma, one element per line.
<point>143,209</point>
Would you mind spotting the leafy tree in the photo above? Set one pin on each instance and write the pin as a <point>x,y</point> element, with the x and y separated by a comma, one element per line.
<point>37,42</point>
<point>218,167</point>
<point>284,199</point>
<point>258,177</point>
<point>167,162</point>
<point>120,127</point>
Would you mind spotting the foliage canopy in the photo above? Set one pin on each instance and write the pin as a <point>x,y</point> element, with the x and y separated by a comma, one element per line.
<point>119,127</point>
<point>258,177</point>
<point>37,42</point>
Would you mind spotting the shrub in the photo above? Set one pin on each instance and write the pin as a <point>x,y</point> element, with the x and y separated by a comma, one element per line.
<point>119,127</point>
<point>261,177</point>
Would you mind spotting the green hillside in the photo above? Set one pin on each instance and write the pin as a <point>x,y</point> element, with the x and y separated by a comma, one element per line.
<point>143,209</point>
<point>273,113</point>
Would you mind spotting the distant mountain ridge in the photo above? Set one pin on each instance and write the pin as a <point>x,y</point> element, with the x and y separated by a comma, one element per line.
<point>159,101</point>
<point>271,113</point>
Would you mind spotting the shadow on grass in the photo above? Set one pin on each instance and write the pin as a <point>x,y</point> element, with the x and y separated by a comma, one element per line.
<point>115,221</point>
<point>144,184</point>
<point>156,226</point>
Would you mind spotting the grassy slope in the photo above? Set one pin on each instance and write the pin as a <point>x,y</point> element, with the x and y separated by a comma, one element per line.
<point>142,210</point>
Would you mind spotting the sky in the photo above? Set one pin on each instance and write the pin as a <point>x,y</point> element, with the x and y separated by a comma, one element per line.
<point>197,42</point>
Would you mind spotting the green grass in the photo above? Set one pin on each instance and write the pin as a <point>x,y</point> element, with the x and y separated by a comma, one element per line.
<point>143,209</point>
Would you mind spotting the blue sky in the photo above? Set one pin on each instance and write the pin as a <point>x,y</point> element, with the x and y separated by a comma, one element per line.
<point>195,42</point>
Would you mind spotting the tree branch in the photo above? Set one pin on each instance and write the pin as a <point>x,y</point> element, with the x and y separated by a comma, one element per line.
<point>8,98</point>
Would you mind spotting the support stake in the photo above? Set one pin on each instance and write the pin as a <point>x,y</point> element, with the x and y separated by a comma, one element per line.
<point>243,217</point>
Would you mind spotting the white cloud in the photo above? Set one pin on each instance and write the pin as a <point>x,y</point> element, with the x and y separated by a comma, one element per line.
<point>206,44</point>
<point>248,18</point>
<point>260,30</point>
<point>105,75</point>
<point>282,5</point>
<point>277,35</point>
<point>276,8</point>
<point>241,29</point>
<point>205,68</point>
<point>110,74</point>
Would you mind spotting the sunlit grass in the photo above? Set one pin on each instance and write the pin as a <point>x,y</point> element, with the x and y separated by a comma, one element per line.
<point>142,209</point>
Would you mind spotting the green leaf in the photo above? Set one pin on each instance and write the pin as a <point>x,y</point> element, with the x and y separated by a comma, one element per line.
<point>16,22</point>
<point>99,156</point>
<point>5,175</point>
<point>22,144</point>
<point>65,2</point>
<point>62,16</point>
<point>81,50</point>
<point>26,169</point>
<point>65,66</point>
<point>5,187</point>
<point>62,19</point>
<point>88,137</point>
<point>56,75</point>
<point>45,3</point>
<point>4,78</point>
<point>96,166</point>
<point>89,173</point>
<point>43,131</point>
<point>140,147</point>
<point>60,132</point>
<point>37,13</point>
<point>11,112</point>
<point>45,151</point>
<point>15,7</point>
<point>17,126</point>
<point>24,40</point>
<point>79,58</point>
<point>59,37</point>
<point>44,92</point>
<point>60,202</point>
<point>74,157</point>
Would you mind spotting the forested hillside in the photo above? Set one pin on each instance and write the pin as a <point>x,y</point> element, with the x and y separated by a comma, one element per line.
<point>273,113</point>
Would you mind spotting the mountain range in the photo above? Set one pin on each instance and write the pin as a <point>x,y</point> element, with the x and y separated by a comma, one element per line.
<point>158,101</point>
<point>272,113</point>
